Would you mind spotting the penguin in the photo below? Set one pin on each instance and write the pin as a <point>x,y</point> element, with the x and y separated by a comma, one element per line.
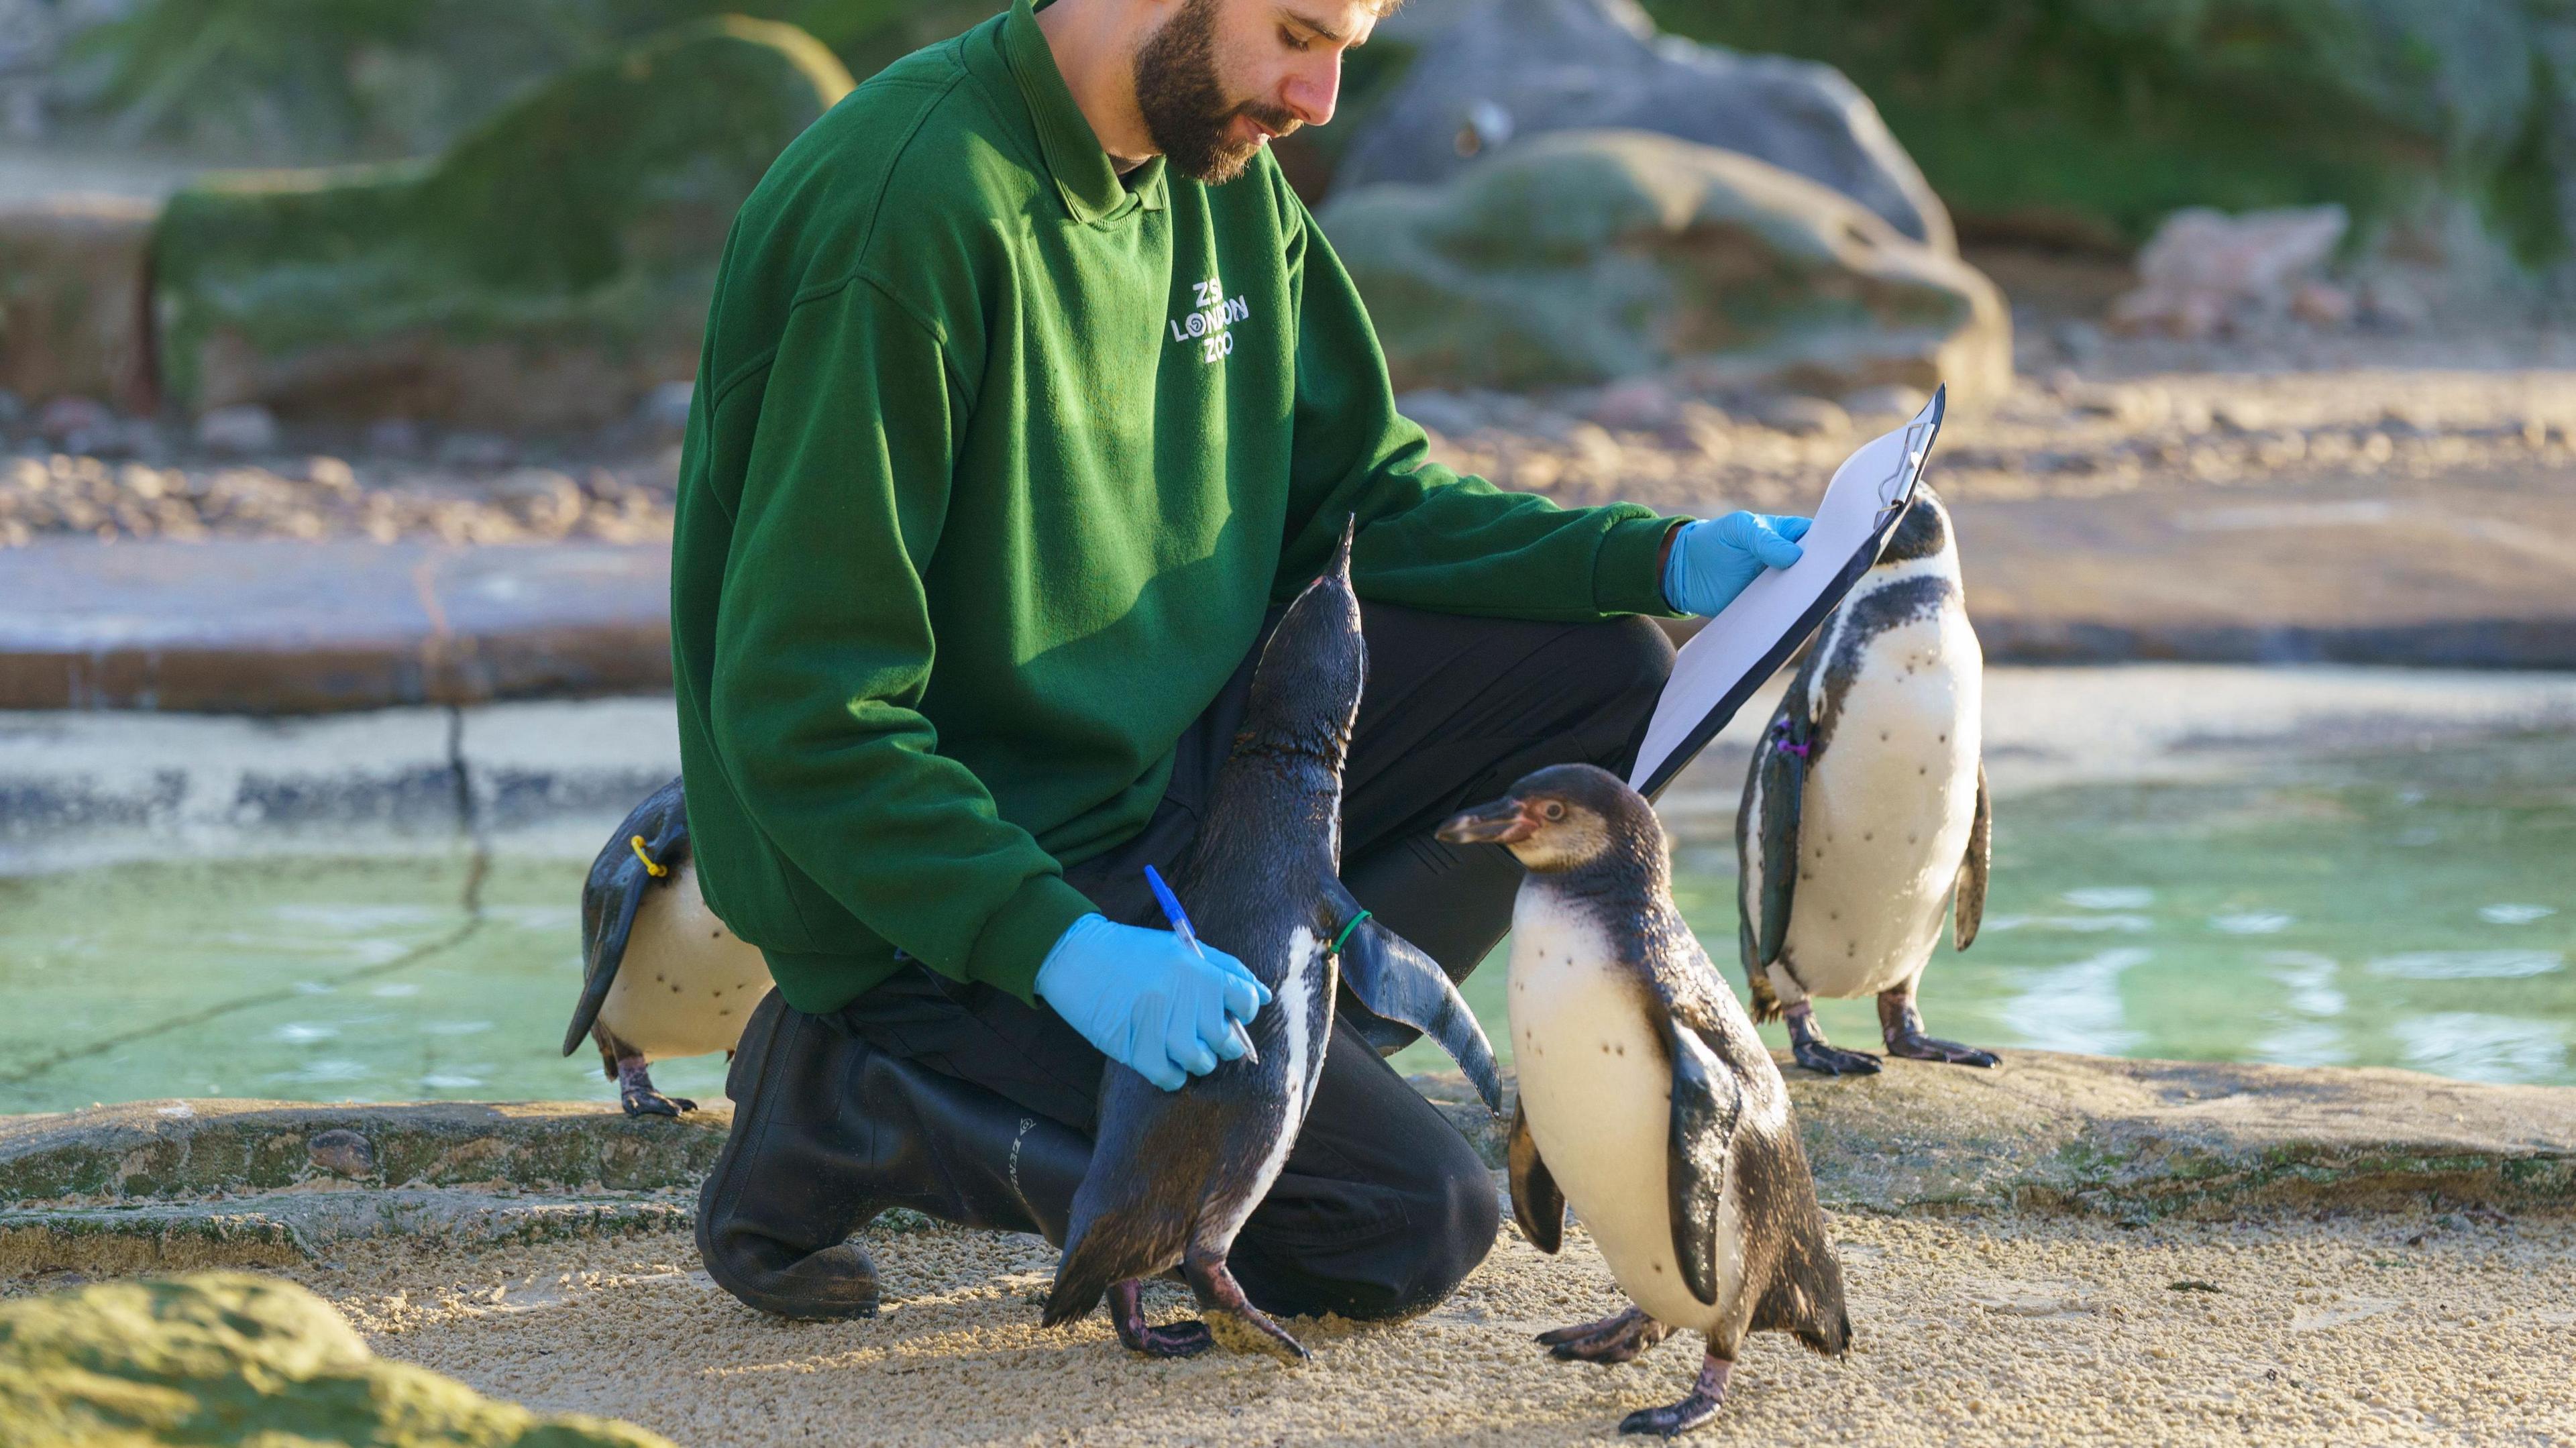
<point>1647,1102</point>
<point>1866,815</point>
<point>661,975</point>
<point>1174,1175</point>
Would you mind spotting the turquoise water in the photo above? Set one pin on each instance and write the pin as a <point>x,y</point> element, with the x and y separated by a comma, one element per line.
<point>2415,911</point>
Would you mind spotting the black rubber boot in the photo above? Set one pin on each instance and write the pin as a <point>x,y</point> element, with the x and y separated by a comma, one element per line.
<point>828,1132</point>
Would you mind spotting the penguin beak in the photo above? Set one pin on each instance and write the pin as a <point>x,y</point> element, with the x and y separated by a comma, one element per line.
<point>1503,822</point>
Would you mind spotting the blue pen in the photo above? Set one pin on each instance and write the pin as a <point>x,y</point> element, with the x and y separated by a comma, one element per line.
<point>1180,920</point>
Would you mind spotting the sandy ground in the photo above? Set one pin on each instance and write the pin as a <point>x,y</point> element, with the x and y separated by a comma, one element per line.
<point>2020,1329</point>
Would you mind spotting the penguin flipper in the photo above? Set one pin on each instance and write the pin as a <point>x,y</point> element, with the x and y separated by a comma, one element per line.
<point>615,891</point>
<point>1537,1204</point>
<point>1782,770</point>
<point>1395,979</point>
<point>1968,897</point>
<point>1706,1104</point>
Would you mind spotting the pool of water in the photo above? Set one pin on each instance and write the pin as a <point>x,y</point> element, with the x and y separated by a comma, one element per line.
<point>2414,910</point>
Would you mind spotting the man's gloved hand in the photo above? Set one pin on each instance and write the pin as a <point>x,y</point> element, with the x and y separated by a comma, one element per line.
<point>1713,560</point>
<point>1147,1001</point>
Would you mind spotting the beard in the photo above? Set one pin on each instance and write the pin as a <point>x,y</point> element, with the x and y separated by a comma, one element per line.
<point>1185,106</point>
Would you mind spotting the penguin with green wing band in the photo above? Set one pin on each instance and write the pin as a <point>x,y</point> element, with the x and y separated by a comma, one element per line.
<point>1866,817</point>
<point>1647,1102</point>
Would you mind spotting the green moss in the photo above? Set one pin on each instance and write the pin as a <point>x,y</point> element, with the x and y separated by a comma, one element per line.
<point>300,80</point>
<point>590,213</point>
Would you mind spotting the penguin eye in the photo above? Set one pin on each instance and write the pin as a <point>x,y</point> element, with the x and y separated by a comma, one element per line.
<point>1552,810</point>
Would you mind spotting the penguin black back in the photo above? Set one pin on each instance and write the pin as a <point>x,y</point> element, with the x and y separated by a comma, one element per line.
<point>1174,1175</point>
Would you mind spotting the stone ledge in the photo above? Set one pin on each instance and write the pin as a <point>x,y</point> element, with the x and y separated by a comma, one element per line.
<point>264,627</point>
<point>155,1186</point>
<point>2142,1139</point>
<point>144,1152</point>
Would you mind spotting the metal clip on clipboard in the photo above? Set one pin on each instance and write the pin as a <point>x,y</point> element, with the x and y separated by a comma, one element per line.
<point>1747,643</point>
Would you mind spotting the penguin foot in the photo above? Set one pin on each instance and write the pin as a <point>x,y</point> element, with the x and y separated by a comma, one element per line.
<point>1245,1329</point>
<point>1916,1046</point>
<point>1173,1340</point>
<point>1834,1060</point>
<point>1616,1339</point>
<point>1231,1317</point>
<point>636,1094</point>
<point>1706,1397</point>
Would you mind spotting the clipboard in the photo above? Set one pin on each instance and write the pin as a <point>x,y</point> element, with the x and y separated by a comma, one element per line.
<point>1748,642</point>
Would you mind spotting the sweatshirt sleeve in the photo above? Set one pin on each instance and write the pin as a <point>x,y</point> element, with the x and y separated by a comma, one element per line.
<point>818,671</point>
<point>1430,537</point>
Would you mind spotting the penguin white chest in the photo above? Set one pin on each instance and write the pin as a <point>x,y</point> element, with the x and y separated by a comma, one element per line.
<point>1887,809</point>
<point>687,983</point>
<point>1596,1087</point>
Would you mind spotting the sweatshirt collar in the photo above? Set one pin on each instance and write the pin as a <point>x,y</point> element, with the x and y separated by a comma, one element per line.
<point>1083,173</point>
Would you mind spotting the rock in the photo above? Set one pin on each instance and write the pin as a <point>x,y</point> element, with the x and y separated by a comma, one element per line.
<point>228,1358</point>
<point>1591,256</point>
<point>2205,268</point>
<point>74,272</point>
<point>548,270</point>
<point>342,1153</point>
<point>2088,123</point>
<point>238,430</point>
<point>1496,70</point>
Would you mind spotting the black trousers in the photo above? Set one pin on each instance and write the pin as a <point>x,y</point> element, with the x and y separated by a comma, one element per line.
<point>1382,1208</point>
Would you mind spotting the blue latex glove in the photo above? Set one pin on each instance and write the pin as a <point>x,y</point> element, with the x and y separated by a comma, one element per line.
<point>1147,1001</point>
<point>1714,560</point>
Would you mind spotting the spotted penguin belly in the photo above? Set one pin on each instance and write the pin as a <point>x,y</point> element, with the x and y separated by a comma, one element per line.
<point>1596,1088</point>
<point>688,983</point>
<point>1886,812</point>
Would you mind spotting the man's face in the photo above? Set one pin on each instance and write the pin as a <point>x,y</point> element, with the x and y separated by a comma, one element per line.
<point>1221,77</point>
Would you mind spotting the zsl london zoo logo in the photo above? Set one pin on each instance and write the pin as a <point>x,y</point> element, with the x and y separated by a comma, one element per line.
<point>1213,312</point>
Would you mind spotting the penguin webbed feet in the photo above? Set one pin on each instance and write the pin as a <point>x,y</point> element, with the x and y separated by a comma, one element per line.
<point>1231,1317</point>
<point>1187,1338</point>
<point>1619,1338</point>
<point>1808,1044</point>
<point>1706,1397</point>
<point>636,1095</point>
<point>1920,1047</point>
<point>1900,1023</point>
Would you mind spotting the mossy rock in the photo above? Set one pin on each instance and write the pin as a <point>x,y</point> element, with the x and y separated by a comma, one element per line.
<point>227,1358</point>
<point>1581,256</point>
<point>544,271</point>
<point>2090,120</point>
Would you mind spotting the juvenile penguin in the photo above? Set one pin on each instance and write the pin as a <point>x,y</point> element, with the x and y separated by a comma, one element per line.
<point>661,975</point>
<point>1175,1174</point>
<point>1865,814</point>
<point>1646,1100</point>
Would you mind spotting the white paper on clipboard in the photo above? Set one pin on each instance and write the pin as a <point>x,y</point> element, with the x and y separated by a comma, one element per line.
<point>1746,644</point>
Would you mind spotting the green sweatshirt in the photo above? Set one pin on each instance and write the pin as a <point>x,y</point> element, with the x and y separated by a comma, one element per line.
<point>996,462</point>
